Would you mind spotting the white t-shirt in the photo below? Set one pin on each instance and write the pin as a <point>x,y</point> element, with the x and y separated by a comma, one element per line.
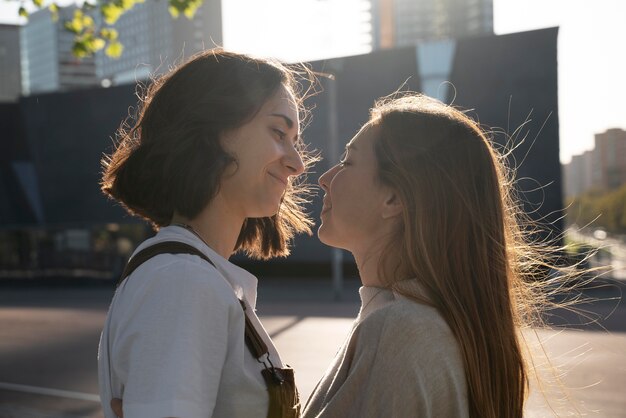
<point>173,342</point>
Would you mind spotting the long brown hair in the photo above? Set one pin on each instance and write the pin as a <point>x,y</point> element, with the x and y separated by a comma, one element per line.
<point>171,159</point>
<point>460,236</point>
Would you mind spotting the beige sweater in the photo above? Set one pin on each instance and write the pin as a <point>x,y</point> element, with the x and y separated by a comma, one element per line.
<point>400,360</point>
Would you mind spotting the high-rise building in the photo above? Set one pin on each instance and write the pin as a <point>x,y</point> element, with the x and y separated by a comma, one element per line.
<point>404,22</point>
<point>609,159</point>
<point>577,174</point>
<point>47,60</point>
<point>154,41</point>
<point>10,77</point>
<point>603,168</point>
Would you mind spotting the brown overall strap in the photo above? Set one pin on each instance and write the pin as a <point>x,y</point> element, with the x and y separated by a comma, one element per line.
<point>166,247</point>
<point>254,342</point>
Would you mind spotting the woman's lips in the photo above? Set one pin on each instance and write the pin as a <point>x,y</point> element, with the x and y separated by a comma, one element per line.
<point>325,208</point>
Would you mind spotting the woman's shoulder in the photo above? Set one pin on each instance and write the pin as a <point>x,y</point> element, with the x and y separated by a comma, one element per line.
<point>407,328</point>
<point>406,314</point>
<point>219,272</point>
<point>413,343</point>
<point>412,359</point>
<point>178,274</point>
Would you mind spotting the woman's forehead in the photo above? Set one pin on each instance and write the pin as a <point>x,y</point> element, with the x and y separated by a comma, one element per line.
<point>366,134</point>
<point>283,104</point>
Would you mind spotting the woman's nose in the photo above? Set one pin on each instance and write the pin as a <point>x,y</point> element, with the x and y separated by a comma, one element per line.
<point>326,178</point>
<point>293,161</point>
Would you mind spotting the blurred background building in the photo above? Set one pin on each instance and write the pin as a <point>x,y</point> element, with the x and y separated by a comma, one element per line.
<point>10,74</point>
<point>577,174</point>
<point>601,169</point>
<point>609,166</point>
<point>404,22</point>
<point>47,61</point>
<point>155,41</point>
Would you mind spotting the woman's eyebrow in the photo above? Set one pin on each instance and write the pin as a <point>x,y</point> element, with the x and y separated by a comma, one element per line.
<point>287,119</point>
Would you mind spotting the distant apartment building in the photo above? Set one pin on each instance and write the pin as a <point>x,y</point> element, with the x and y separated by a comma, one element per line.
<point>609,159</point>
<point>577,174</point>
<point>154,41</point>
<point>47,61</point>
<point>603,168</point>
<point>10,77</point>
<point>405,22</point>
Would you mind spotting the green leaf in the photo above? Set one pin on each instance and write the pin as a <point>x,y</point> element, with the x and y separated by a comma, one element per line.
<point>109,34</point>
<point>54,11</point>
<point>111,13</point>
<point>77,24</point>
<point>190,12</point>
<point>79,49</point>
<point>73,26</point>
<point>88,22</point>
<point>126,4</point>
<point>115,49</point>
<point>22,12</point>
<point>174,12</point>
<point>187,7</point>
<point>97,44</point>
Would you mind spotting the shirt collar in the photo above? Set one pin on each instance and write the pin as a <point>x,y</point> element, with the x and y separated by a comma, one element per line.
<point>372,299</point>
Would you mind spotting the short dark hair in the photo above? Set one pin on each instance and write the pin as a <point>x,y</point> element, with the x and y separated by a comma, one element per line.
<point>172,160</point>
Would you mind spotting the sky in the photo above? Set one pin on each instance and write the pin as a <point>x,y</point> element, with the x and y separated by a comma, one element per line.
<point>591,58</point>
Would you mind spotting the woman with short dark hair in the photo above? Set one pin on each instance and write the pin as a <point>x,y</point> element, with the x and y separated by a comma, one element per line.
<point>211,163</point>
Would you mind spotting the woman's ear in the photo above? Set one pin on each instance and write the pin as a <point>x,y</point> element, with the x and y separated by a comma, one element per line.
<point>392,206</point>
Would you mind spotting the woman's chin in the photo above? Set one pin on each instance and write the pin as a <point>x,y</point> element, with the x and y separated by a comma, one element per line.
<point>325,235</point>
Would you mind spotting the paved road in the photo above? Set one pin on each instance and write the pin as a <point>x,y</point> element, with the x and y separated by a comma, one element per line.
<point>49,336</point>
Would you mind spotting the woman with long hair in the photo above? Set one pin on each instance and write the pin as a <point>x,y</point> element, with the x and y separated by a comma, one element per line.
<point>424,202</point>
<point>211,162</point>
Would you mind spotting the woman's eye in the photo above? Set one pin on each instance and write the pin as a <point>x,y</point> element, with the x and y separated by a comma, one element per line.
<point>343,161</point>
<point>281,135</point>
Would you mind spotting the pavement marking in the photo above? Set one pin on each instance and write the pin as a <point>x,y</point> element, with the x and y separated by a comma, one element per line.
<point>50,392</point>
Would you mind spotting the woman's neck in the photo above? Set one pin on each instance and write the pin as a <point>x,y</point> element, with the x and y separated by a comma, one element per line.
<point>377,268</point>
<point>368,263</point>
<point>218,228</point>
